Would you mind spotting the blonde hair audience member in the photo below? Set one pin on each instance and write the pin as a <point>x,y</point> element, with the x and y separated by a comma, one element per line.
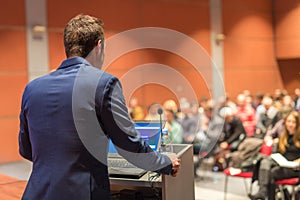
<point>135,110</point>
<point>289,147</point>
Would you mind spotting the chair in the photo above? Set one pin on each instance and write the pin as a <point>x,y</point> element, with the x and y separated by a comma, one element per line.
<point>265,150</point>
<point>244,175</point>
<point>290,181</point>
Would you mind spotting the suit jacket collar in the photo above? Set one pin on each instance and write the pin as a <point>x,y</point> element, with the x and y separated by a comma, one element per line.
<point>73,61</point>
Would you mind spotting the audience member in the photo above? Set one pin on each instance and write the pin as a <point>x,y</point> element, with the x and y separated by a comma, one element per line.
<point>287,100</point>
<point>267,119</point>
<point>225,101</point>
<point>170,104</point>
<point>204,102</point>
<point>135,110</point>
<point>273,134</point>
<point>297,99</point>
<point>246,113</point>
<point>261,108</point>
<point>210,130</point>
<point>277,98</point>
<point>188,122</point>
<point>246,93</point>
<point>153,112</point>
<point>289,147</point>
<point>175,131</point>
<point>208,135</point>
<point>232,136</point>
<point>257,100</point>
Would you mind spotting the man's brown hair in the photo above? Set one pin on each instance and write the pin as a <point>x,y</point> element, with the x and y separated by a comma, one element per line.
<point>82,34</point>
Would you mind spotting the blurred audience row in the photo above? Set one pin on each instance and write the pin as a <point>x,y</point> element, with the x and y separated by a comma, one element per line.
<point>217,128</point>
<point>236,132</point>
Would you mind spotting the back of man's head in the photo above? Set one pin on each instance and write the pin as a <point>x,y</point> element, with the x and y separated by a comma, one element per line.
<point>81,35</point>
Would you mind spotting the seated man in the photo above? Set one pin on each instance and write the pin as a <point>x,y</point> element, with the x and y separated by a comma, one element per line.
<point>266,119</point>
<point>233,134</point>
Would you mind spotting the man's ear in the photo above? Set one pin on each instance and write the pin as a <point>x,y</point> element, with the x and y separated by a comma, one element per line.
<point>101,44</point>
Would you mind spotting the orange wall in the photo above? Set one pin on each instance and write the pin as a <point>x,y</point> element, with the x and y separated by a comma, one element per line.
<point>287,42</point>
<point>13,75</point>
<point>290,72</point>
<point>190,18</point>
<point>248,47</point>
<point>287,29</point>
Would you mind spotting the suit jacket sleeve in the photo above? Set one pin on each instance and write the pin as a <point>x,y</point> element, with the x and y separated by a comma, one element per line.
<point>24,140</point>
<point>118,126</point>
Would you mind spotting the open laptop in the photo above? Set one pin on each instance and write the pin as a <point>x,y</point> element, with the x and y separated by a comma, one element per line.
<point>118,166</point>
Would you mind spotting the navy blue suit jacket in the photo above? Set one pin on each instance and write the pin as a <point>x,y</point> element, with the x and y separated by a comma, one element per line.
<point>65,120</point>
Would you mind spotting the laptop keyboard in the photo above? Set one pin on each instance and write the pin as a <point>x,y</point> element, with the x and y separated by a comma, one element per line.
<point>120,163</point>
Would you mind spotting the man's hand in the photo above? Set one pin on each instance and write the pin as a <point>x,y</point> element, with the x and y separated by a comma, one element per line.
<point>175,164</point>
<point>176,167</point>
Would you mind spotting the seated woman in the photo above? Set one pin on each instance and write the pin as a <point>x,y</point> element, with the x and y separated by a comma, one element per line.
<point>289,147</point>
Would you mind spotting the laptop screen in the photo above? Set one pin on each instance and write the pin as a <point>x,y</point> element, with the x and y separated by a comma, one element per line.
<point>149,131</point>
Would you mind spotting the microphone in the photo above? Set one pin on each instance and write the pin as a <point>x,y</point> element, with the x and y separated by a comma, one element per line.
<point>160,112</point>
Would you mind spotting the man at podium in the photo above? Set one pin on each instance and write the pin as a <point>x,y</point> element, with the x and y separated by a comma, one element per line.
<point>68,116</point>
